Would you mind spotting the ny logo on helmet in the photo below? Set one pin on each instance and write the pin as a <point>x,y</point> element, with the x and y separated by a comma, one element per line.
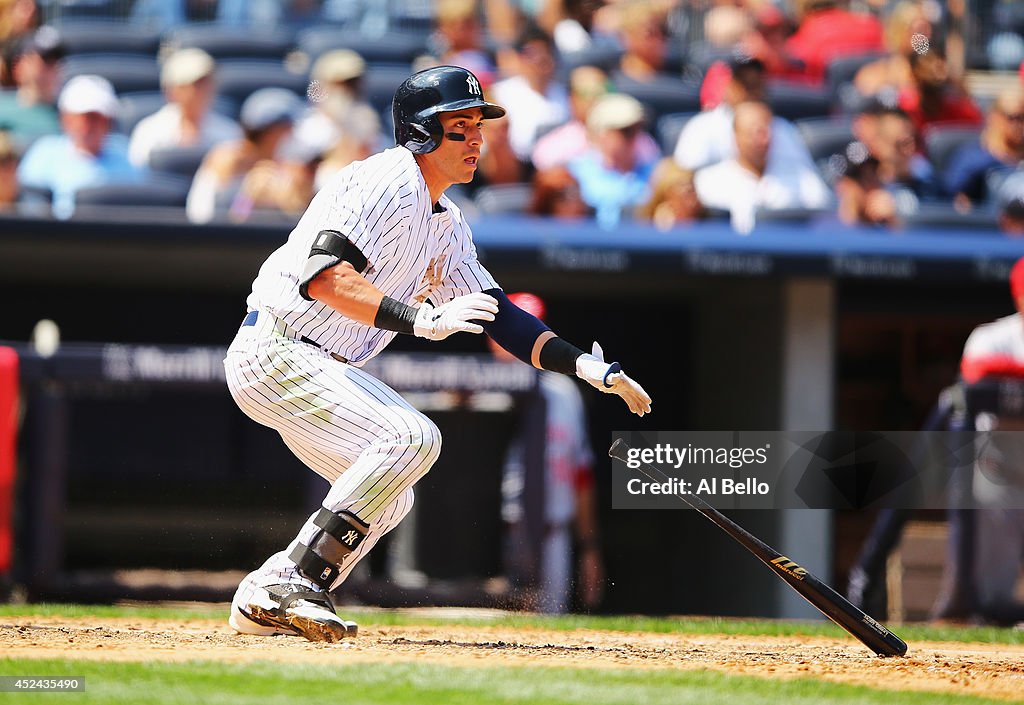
<point>474,85</point>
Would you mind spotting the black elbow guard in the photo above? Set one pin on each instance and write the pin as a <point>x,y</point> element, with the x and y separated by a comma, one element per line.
<point>329,248</point>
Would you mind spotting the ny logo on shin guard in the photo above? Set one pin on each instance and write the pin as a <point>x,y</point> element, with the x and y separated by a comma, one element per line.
<point>350,538</point>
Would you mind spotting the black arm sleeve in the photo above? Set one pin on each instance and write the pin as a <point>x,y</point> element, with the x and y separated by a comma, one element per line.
<point>517,331</point>
<point>329,248</point>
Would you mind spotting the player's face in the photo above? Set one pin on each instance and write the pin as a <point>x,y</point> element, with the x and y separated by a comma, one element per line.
<point>457,159</point>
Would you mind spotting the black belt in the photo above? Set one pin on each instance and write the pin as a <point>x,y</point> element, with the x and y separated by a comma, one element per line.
<point>250,320</point>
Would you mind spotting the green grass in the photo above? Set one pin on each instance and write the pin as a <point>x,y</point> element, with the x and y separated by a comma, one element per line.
<point>674,625</point>
<point>418,684</point>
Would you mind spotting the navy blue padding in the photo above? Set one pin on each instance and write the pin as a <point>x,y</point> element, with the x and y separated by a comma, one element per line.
<point>513,328</point>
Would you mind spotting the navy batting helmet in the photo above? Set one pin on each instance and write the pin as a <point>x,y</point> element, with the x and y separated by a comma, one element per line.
<point>425,94</point>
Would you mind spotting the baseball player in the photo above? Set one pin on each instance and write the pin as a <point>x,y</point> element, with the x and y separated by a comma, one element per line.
<point>380,251</point>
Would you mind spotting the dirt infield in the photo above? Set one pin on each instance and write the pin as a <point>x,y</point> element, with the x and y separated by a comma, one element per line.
<point>977,669</point>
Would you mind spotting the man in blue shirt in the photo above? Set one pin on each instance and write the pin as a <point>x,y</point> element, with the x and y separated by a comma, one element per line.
<point>1001,147</point>
<point>611,176</point>
<point>86,154</point>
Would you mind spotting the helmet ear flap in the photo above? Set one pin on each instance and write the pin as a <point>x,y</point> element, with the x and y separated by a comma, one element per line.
<point>421,140</point>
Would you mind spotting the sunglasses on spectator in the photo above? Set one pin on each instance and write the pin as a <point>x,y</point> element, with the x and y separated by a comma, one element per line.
<point>631,131</point>
<point>1013,117</point>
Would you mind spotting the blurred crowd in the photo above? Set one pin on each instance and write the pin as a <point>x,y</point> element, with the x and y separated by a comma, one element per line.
<point>660,111</point>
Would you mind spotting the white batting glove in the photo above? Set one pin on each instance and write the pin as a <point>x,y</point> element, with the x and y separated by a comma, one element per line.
<point>437,323</point>
<point>610,379</point>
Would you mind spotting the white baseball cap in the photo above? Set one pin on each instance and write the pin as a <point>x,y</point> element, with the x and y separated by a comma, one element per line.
<point>88,93</point>
<point>186,66</point>
<point>615,111</point>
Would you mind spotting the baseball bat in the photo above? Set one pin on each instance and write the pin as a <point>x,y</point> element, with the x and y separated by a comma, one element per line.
<point>833,605</point>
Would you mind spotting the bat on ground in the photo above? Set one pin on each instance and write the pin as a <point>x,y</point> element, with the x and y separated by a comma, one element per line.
<point>833,605</point>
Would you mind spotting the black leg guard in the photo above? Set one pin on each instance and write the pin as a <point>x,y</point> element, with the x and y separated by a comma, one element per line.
<point>340,534</point>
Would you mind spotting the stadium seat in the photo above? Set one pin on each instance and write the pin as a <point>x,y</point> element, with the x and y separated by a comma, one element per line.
<point>702,55</point>
<point>407,21</point>
<point>182,162</point>
<point>795,101</point>
<point>85,9</point>
<point>155,192</point>
<point>128,74</point>
<point>825,136</point>
<point>942,143</point>
<point>503,198</point>
<point>98,37</point>
<point>668,129</point>
<point>238,79</point>
<point>604,55</point>
<point>390,48</point>
<point>222,42</point>
<point>35,197</point>
<point>841,71</point>
<point>380,83</point>
<point>662,96</point>
<point>930,216</point>
<point>790,215</point>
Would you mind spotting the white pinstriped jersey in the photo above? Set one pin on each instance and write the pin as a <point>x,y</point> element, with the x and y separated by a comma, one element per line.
<point>381,205</point>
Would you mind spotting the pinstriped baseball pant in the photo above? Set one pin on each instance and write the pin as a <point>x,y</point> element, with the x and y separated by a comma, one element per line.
<point>347,426</point>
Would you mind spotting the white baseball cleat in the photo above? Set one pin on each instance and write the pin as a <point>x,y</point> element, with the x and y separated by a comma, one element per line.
<point>290,609</point>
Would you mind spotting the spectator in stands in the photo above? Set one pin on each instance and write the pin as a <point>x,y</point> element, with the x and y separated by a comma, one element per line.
<point>767,41</point>
<point>498,163</point>
<point>587,84</point>
<point>756,178</point>
<point>708,138</point>
<point>533,98</point>
<point>282,185</point>
<point>903,170</point>
<point>863,198</point>
<point>267,117</point>
<point>934,98</point>
<point>829,30</point>
<point>556,194</point>
<point>458,39</point>
<point>30,110</point>
<point>1001,147</point>
<point>907,31</point>
<point>673,199</point>
<point>339,122</point>
<point>1011,205</point>
<point>86,154</point>
<point>187,78</point>
<point>18,18</point>
<point>8,172</point>
<point>611,177</point>
<point>571,23</point>
<point>644,37</point>
<point>726,24</point>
